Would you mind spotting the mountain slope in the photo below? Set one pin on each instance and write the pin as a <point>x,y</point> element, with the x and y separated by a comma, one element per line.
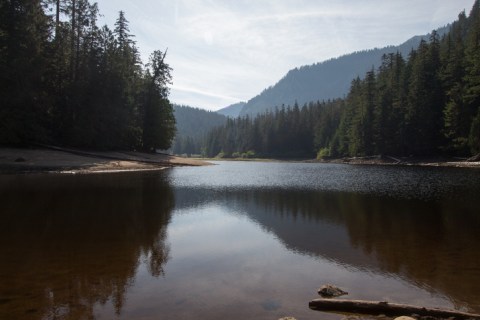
<point>326,80</point>
<point>192,125</point>
<point>233,110</point>
<point>194,121</point>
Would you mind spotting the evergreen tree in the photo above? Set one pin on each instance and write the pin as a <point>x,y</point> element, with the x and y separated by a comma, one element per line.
<point>159,121</point>
<point>424,113</point>
<point>64,80</point>
<point>472,75</point>
<point>122,31</point>
<point>388,114</point>
<point>457,116</point>
<point>24,104</point>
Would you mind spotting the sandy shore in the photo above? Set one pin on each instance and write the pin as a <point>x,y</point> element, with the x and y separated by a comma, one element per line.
<point>79,161</point>
<point>14,160</point>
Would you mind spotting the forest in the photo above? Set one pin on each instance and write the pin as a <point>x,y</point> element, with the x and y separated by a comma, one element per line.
<point>67,81</point>
<point>426,104</point>
<point>192,126</point>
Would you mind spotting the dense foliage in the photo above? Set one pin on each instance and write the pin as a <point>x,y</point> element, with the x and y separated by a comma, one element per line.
<point>192,126</point>
<point>428,104</point>
<point>65,80</point>
<point>286,132</point>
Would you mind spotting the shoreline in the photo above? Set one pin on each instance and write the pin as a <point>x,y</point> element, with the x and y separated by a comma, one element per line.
<point>374,160</point>
<point>76,161</point>
<point>408,161</point>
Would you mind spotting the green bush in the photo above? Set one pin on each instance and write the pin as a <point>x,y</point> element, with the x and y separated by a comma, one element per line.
<point>249,154</point>
<point>323,153</point>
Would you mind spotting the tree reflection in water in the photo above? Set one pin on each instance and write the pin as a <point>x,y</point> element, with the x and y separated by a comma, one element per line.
<point>70,242</point>
<point>72,246</point>
<point>432,244</point>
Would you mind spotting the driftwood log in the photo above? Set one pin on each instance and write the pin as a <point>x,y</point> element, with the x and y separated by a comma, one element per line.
<point>386,308</point>
<point>474,158</point>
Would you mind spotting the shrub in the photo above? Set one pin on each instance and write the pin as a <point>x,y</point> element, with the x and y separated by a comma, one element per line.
<point>323,153</point>
<point>249,154</point>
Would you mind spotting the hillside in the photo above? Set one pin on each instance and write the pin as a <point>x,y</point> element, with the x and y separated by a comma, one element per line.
<point>192,125</point>
<point>232,110</point>
<point>325,80</point>
<point>425,105</point>
<point>194,121</point>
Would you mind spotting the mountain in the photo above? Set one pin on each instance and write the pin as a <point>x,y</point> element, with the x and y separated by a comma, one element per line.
<point>195,121</point>
<point>325,80</point>
<point>232,111</point>
<point>192,125</point>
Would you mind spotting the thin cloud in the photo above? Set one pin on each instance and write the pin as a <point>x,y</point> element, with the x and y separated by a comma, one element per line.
<point>225,51</point>
<point>204,93</point>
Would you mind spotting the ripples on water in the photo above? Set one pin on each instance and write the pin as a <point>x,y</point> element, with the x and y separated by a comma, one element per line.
<point>236,240</point>
<point>394,181</point>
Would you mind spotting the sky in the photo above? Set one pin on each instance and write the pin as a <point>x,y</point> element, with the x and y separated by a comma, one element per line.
<point>226,51</point>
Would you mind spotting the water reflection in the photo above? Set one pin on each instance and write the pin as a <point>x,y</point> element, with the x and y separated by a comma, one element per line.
<point>432,244</point>
<point>69,243</point>
<point>97,246</point>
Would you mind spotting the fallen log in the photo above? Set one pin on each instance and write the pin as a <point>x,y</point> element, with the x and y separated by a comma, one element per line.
<point>474,158</point>
<point>385,308</point>
<point>397,161</point>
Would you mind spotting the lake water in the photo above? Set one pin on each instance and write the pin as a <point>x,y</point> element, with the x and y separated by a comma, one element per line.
<point>238,240</point>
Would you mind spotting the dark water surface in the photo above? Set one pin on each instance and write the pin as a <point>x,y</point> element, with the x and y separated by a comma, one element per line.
<point>239,240</point>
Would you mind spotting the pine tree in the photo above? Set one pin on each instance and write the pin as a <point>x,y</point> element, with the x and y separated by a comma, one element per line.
<point>122,31</point>
<point>457,116</point>
<point>24,34</point>
<point>367,112</point>
<point>472,75</point>
<point>425,99</point>
<point>159,121</point>
<point>389,111</point>
<point>73,83</point>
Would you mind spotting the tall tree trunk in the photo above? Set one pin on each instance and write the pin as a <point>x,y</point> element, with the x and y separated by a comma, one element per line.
<point>57,18</point>
<point>77,50</point>
<point>73,58</point>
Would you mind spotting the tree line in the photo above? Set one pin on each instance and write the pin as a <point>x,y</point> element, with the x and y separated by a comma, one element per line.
<point>284,132</point>
<point>66,80</point>
<point>192,126</point>
<point>427,104</point>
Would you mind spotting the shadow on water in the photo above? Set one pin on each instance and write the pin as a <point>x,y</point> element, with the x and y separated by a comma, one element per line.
<point>68,243</point>
<point>432,244</point>
<point>247,240</point>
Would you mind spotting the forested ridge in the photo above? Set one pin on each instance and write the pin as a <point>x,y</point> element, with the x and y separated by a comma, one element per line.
<point>325,80</point>
<point>193,124</point>
<point>66,80</point>
<point>233,110</point>
<point>425,104</point>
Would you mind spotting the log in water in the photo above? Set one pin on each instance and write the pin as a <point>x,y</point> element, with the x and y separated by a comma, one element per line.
<point>385,308</point>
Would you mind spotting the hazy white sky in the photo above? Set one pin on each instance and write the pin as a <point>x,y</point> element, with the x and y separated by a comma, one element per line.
<point>226,51</point>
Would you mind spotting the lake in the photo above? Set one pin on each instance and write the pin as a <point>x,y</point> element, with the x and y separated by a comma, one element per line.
<point>238,240</point>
